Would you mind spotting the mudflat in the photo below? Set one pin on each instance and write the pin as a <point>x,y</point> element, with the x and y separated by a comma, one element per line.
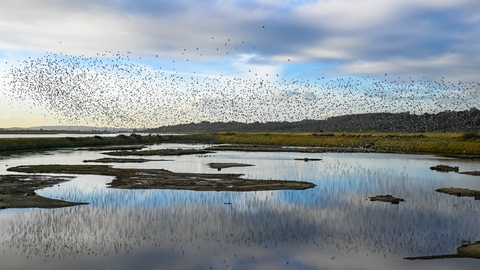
<point>18,191</point>
<point>164,179</point>
<point>220,166</point>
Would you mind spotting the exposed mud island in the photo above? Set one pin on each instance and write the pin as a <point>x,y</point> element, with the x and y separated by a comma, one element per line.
<point>19,191</point>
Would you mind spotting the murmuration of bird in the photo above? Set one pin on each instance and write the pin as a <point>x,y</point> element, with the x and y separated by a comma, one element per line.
<point>114,90</point>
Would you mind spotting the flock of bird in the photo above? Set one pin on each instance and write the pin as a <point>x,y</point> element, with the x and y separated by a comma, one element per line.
<point>115,89</point>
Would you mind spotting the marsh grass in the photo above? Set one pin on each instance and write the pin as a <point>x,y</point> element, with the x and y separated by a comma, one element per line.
<point>429,143</point>
<point>449,144</point>
<point>15,144</point>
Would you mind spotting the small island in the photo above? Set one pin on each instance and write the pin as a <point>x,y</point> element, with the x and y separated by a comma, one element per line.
<point>164,179</point>
<point>444,168</point>
<point>220,166</point>
<point>160,152</point>
<point>387,198</point>
<point>123,160</point>
<point>460,192</point>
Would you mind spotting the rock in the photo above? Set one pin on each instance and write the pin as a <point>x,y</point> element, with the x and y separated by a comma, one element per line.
<point>445,168</point>
<point>387,198</point>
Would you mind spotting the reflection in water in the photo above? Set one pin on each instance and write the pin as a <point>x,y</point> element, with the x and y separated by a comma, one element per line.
<point>332,226</point>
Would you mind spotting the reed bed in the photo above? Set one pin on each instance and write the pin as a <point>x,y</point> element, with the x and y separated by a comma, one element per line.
<point>431,143</point>
<point>453,144</point>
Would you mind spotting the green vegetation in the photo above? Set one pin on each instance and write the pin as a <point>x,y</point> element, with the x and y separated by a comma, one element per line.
<point>14,144</point>
<point>470,135</point>
<point>34,144</point>
<point>446,144</point>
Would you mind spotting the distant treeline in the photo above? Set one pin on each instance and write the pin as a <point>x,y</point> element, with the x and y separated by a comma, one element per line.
<point>447,121</point>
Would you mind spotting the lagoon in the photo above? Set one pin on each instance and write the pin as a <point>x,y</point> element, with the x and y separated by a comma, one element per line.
<point>332,226</point>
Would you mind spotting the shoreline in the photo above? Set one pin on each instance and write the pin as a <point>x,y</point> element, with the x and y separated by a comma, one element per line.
<point>439,144</point>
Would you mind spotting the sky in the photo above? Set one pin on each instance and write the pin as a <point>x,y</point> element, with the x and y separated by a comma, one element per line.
<point>125,63</point>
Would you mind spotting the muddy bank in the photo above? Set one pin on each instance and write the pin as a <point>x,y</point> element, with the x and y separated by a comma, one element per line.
<point>386,198</point>
<point>115,148</point>
<point>220,166</point>
<point>272,148</point>
<point>268,148</point>
<point>460,192</point>
<point>444,168</point>
<point>123,160</point>
<point>473,173</point>
<point>160,152</point>
<point>464,251</point>
<point>18,191</point>
<point>163,179</point>
<point>459,156</point>
<point>308,159</point>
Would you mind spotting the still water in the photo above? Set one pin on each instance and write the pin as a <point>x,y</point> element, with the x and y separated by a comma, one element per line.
<point>332,226</point>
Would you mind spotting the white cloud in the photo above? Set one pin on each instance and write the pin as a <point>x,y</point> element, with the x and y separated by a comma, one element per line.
<point>434,38</point>
<point>429,66</point>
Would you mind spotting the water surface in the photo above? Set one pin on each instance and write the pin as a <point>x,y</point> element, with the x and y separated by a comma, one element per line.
<point>333,226</point>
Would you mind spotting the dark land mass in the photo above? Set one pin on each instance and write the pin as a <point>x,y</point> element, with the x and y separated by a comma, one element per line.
<point>464,251</point>
<point>18,191</point>
<point>220,166</point>
<point>115,148</point>
<point>270,148</point>
<point>473,173</point>
<point>124,160</point>
<point>308,159</point>
<point>160,152</point>
<point>447,121</point>
<point>445,168</point>
<point>163,179</point>
<point>387,198</point>
<point>460,192</point>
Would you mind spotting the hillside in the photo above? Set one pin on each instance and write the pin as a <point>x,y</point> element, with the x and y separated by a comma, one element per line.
<point>448,121</point>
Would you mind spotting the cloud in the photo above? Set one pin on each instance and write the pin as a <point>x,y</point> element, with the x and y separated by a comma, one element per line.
<point>25,121</point>
<point>368,30</point>
<point>311,38</point>
<point>432,67</point>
